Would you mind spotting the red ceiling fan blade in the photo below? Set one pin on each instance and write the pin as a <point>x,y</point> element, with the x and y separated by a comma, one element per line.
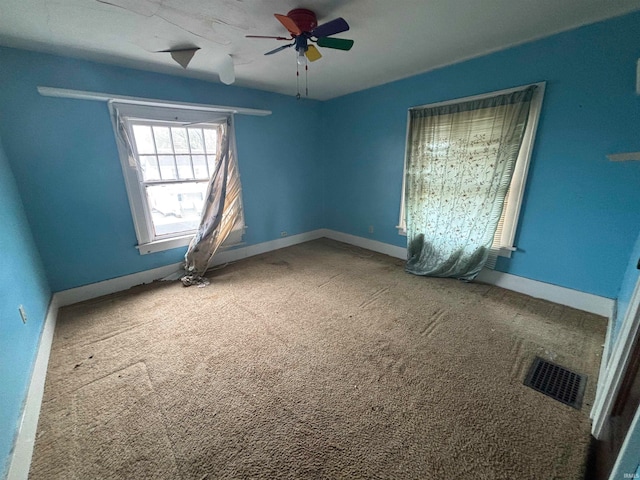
<point>330,28</point>
<point>288,24</point>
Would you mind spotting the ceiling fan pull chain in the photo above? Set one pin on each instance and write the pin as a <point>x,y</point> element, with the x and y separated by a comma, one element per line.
<point>298,81</point>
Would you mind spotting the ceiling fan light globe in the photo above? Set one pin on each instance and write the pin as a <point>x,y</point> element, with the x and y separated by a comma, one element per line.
<point>301,58</point>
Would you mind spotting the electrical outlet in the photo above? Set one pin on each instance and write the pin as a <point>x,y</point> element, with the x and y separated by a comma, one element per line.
<point>283,234</point>
<point>23,314</point>
<point>370,228</point>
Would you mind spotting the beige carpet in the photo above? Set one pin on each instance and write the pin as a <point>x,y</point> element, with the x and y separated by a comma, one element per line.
<point>320,360</point>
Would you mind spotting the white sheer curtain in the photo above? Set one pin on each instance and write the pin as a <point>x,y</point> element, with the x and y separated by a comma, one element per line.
<point>222,211</point>
<point>460,159</point>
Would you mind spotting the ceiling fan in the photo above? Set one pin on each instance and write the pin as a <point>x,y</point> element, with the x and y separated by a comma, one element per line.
<point>303,28</point>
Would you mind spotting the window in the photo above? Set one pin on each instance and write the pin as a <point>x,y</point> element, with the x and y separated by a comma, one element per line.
<point>505,234</point>
<point>168,156</point>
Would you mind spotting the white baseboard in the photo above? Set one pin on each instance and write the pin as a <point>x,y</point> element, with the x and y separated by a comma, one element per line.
<point>374,245</point>
<point>113,285</point>
<point>564,296</point>
<point>259,248</point>
<point>20,459</point>
<point>106,287</point>
<point>554,293</point>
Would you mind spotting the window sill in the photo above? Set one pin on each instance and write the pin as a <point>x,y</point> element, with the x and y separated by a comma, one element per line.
<point>165,244</point>
<point>234,239</point>
<point>506,251</point>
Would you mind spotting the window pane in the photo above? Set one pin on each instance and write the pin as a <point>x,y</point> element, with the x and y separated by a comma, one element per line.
<point>184,167</point>
<point>200,167</point>
<point>143,139</point>
<point>211,160</point>
<point>150,170</point>
<point>196,141</point>
<point>163,140</point>
<point>211,140</point>
<point>176,208</point>
<point>180,140</point>
<point>167,167</point>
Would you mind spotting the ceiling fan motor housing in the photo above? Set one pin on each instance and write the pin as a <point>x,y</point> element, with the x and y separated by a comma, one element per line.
<point>303,18</point>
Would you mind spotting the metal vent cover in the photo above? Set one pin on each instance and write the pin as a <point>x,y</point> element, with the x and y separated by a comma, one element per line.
<point>557,382</point>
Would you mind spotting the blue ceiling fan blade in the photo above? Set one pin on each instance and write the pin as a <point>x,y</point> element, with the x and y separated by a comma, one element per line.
<point>330,28</point>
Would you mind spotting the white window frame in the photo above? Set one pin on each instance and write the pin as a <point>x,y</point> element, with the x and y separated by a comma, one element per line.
<point>148,242</point>
<point>504,241</point>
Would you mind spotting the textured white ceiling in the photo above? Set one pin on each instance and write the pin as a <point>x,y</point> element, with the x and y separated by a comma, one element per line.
<point>393,39</point>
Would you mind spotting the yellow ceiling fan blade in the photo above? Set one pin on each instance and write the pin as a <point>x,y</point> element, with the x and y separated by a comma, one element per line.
<point>312,53</point>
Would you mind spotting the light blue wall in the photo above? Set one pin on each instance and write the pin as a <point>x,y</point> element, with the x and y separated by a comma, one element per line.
<point>65,161</point>
<point>341,160</point>
<point>22,282</point>
<point>310,165</point>
<point>580,216</point>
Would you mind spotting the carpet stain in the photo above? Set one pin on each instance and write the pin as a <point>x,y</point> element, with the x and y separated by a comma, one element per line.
<point>280,263</point>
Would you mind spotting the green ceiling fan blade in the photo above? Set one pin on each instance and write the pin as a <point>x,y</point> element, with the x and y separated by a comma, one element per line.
<point>337,43</point>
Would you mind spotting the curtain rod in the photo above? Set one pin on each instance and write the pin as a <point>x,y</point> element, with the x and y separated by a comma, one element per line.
<point>481,96</point>
<point>105,97</point>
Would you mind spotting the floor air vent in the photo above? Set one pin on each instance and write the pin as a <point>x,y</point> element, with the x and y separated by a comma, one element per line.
<point>556,382</point>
